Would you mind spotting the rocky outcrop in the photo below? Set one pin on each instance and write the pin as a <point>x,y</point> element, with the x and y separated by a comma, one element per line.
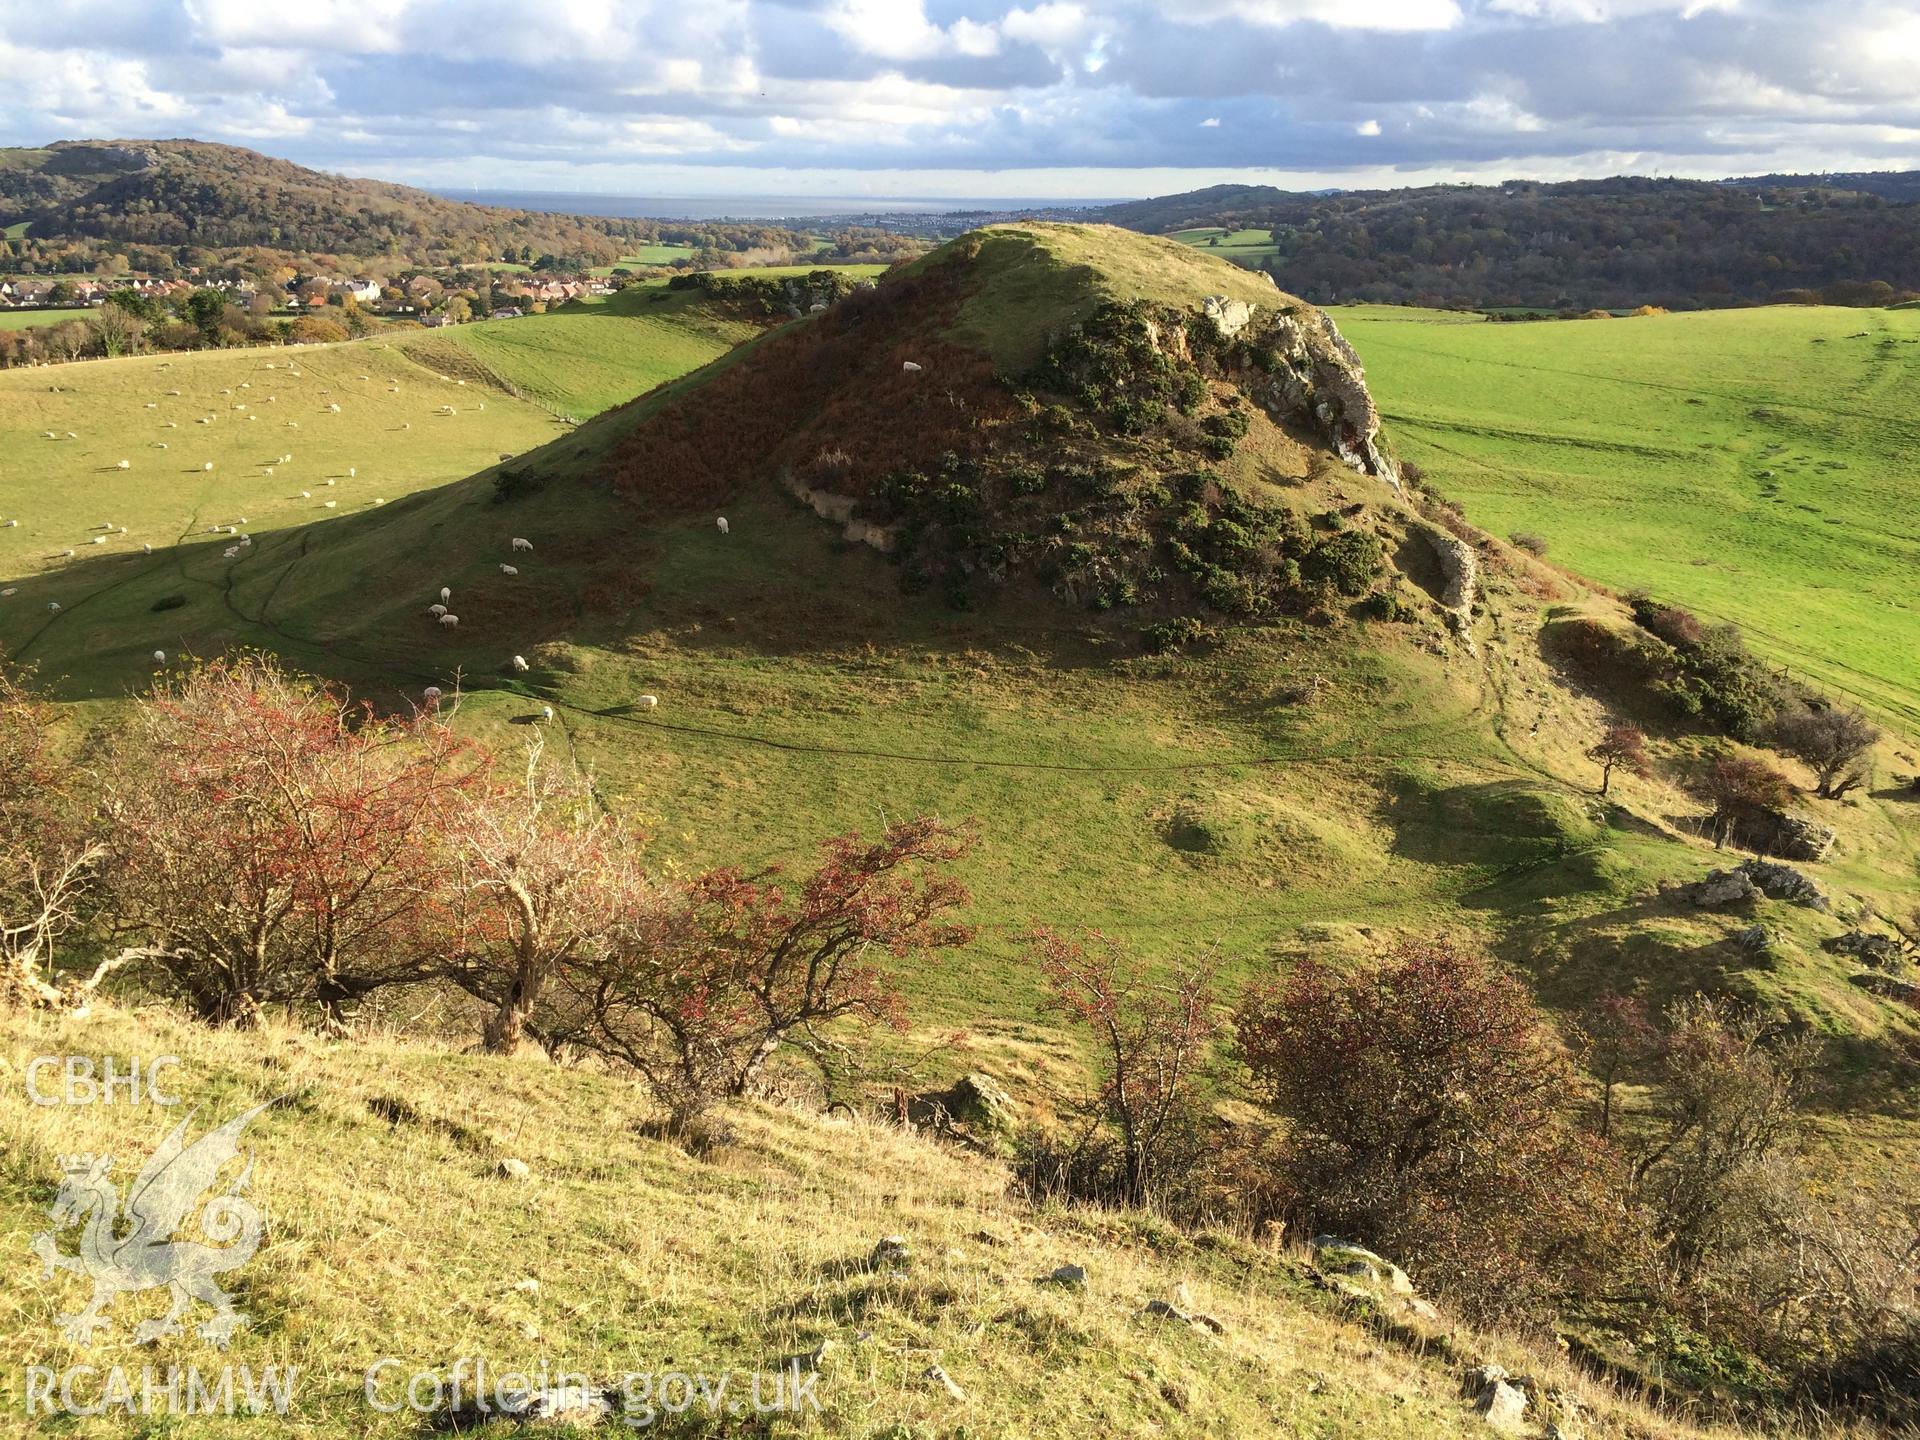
<point>829,505</point>
<point>1783,882</point>
<point>1722,888</point>
<point>1232,316</point>
<point>1882,952</point>
<point>1459,568</point>
<point>1753,879</point>
<point>1316,382</point>
<point>1335,1256</point>
<point>1501,1404</point>
<point>1791,837</point>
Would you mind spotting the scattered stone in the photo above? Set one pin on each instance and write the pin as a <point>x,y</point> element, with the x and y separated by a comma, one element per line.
<point>1882,952</point>
<point>983,1102</point>
<point>890,1252</point>
<point>1755,940</point>
<point>1501,1403</point>
<point>1722,888</point>
<point>937,1375</point>
<point>1344,1258</point>
<point>1167,1310</point>
<point>576,1405</point>
<point>1783,882</point>
<point>807,1361</point>
<point>1072,1276</point>
<point>512,1169</point>
<point>1421,1309</point>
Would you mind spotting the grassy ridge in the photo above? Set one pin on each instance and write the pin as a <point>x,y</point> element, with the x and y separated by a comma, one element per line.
<point>625,1254</point>
<point>1756,464</point>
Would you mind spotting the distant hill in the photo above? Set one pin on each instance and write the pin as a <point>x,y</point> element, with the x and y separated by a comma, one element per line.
<point>170,193</point>
<point>1847,239</point>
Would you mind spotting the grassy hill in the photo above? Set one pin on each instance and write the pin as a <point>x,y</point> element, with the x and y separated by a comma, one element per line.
<point>574,362</point>
<point>1622,241</point>
<point>1312,784</point>
<point>191,192</point>
<point>623,1254</point>
<point>1755,465</point>
<point>1292,786</point>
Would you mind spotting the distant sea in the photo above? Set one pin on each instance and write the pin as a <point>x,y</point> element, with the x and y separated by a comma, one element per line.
<point>748,207</point>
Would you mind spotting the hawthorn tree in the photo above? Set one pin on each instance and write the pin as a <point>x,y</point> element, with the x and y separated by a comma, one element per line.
<point>702,990</point>
<point>1427,1102</point>
<point>1621,1036</point>
<point>47,855</point>
<point>270,842</point>
<point>1836,743</point>
<point>1741,788</point>
<point>545,878</point>
<point>1622,745</point>
<point>1151,1040</point>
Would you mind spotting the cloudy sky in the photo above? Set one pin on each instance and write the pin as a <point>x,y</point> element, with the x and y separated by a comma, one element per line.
<point>1054,98</point>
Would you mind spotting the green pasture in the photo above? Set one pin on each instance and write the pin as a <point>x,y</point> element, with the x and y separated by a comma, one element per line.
<point>1756,465</point>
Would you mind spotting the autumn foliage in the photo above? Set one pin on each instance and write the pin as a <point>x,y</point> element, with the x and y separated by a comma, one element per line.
<point>1427,1104</point>
<point>702,989</point>
<point>1151,1040</point>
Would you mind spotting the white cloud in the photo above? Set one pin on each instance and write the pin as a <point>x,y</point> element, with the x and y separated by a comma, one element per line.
<point>1367,127</point>
<point>1343,14</point>
<point>1212,122</point>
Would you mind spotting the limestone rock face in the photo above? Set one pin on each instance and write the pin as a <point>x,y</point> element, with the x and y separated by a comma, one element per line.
<point>1230,315</point>
<point>1460,566</point>
<point>1320,385</point>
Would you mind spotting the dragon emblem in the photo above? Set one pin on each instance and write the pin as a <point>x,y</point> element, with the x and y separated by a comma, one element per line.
<point>123,1254</point>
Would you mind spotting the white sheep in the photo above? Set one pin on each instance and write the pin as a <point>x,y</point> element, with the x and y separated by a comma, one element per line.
<point>10,590</point>
<point>351,472</point>
<point>53,606</point>
<point>123,464</point>
<point>159,657</point>
<point>207,466</point>
<point>445,593</point>
<point>436,611</point>
<point>305,494</point>
<point>449,621</point>
<point>146,547</point>
<point>229,552</point>
<point>509,570</point>
<point>333,409</point>
<point>241,521</point>
<point>431,694</point>
<point>329,504</point>
<point>159,444</point>
<point>379,500</point>
<point>647,702</point>
<point>327,482</point>
<point>909,367</point>
<point>546,713</point>
<point>720,523</point>
<point>519,664</point>
<point>99,540</point>
<point>522,544</point>
<point>11,525</point>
